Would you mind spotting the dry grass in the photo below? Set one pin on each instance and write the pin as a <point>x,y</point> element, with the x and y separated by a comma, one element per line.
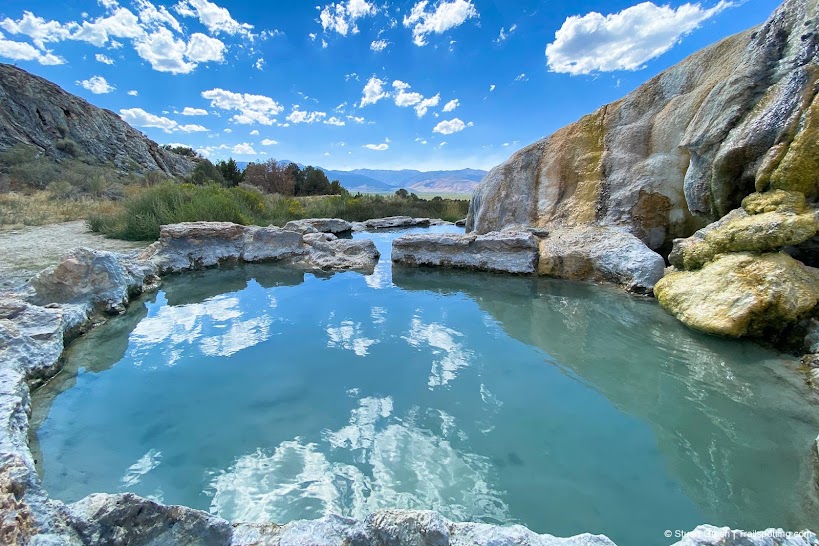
<point>40,208</point>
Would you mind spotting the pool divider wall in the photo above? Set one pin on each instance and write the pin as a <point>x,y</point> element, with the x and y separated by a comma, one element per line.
<point>88,286</point>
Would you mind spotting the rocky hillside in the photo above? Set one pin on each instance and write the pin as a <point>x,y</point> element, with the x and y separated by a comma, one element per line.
<point>37,112</point>
<point>683,149</point>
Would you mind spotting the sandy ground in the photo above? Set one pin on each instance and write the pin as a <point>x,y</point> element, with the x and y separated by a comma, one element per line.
<point>26,251</point>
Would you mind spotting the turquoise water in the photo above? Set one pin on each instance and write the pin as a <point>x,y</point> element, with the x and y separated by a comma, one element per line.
<point>266,394</point>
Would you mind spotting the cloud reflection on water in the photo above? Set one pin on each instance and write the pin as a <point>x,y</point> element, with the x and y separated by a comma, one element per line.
<point>376,461</point>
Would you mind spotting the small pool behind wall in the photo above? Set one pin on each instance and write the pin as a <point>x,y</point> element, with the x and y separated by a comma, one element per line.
<point>264,394</point>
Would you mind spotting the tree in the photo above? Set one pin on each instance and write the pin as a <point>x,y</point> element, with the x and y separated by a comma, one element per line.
<point>402,193</point>
<point>271,177</point>
<point>231,173</point>
<point>206,172</point>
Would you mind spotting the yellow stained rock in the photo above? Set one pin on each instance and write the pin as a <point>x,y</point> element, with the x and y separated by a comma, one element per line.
<point>764,232</point>
<point>775,201</point>
<point>741,294</point>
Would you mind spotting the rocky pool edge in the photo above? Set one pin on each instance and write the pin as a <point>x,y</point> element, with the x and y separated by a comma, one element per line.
<point>89,286</point>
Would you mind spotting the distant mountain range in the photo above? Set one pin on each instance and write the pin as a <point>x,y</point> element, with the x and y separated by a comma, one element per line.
<point>388,181</point>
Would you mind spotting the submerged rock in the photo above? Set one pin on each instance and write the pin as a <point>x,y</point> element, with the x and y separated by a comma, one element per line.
<point>600,254</point>
<point>741,294</point>
<point>507,252</point>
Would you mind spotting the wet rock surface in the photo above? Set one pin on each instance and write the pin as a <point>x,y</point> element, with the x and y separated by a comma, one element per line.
<point>600,254</point>
<point>506,252</point>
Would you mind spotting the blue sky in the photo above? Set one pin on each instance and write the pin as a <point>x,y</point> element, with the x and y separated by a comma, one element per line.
<point>393,84</point>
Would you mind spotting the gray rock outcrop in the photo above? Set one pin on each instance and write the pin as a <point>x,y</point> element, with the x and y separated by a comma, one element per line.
<point>37,112</point>
<point>507,252</point>
<point>196,245</point>
<point>392,222</point>
<point>320,225</point>
<point>680,151</point>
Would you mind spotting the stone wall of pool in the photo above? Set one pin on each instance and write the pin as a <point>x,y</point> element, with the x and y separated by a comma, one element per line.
<point>87,286</point>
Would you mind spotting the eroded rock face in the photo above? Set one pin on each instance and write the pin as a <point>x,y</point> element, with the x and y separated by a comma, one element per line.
<point>741,294</point>
<point>680,151</point>
<point>507,252</point>
<point>37,112</point>
<point>601,254</point>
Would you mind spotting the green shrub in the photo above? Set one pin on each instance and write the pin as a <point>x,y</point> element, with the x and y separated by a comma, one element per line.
<point>171,203</point>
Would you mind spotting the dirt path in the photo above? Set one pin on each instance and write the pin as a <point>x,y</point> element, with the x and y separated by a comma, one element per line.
<point>26,251</point>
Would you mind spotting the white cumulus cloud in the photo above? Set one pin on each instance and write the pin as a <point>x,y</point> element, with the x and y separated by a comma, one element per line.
<point>251,108</point>
<point>444,16</point>
<point>268,142</point>
<point>188,111</point>
<point>133,93</point>
<point>451,105</point>
<point>373,92</point>
<point>300,116</point>
<point>203,49</point>
<point>103,59</point>
<point>378,147</point>
<point>215,18</point>
<point>341,17</point>
<point>335,121</point>
<point>625,40</point>
<point>21,51</point>
<point>451,126</point>
<point>97,85</point>
<point>140,118</point>
<point>244,148</point>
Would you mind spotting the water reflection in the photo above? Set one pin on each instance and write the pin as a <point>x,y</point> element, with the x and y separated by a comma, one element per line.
<point>735,422</point>
<point>378,461</point>
<point>563,406</point>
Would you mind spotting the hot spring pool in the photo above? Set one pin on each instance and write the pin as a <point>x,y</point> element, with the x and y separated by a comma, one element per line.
<point>262,394</point>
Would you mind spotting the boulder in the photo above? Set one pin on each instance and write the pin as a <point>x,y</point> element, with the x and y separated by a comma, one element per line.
<point>741,294</point>
<point>122,520</point>
<point>264,244</point>
<point>506,252</point>
<point>600,254</point>
<point>322,225</point>
<point>392,222</point>
<point>192,245</point>
<point>739,231</point>
<point>341,254</point>
<point>105,280</point>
